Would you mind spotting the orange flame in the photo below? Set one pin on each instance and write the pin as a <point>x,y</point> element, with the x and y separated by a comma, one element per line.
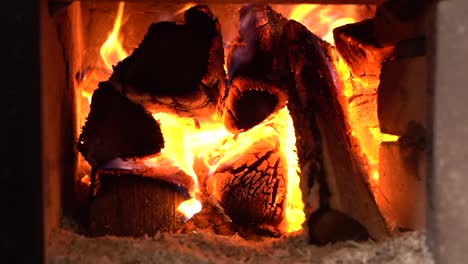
<point>86,180</point>
<point>363,121</point>
<point>112,51</point>
<point>191,144</point>
<point>322,19</point>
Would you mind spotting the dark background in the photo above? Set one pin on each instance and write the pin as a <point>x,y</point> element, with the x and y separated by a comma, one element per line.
<point>21,239</point>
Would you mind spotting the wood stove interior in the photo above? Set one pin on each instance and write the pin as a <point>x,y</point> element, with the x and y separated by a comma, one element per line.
<point>152,116</point>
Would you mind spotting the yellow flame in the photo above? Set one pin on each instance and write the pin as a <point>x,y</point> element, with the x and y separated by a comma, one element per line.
<point>363,122</point>
<point>112,51</point>
<point>322,19</point>
<point>302,10</point>
<point>191,143</point>
<point>86,180</point>
<point>189,208</point>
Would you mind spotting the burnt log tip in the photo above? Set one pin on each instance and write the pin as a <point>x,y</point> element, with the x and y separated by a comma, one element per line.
<point>249,102</point>
<point>254,16</point>
<point>117,128</point>
<point>360,49</point>
<point>172,59</point>
<point>258,42</point>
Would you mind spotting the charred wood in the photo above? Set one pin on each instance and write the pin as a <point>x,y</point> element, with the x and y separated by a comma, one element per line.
<point>117,127</point>
<point>129,204</point>
<point>397,20</point>
<point>360,49</point>
<point>330,226</point>
<point>323,146</point>
<point>250,102</point>
<point>253,69</point>
<point>176,68</point>
<point>251,187</point>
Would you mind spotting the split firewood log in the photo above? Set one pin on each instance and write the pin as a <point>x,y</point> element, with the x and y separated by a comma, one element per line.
<point>137,202</point>
<point>176,68</point>
<point>358,47</point>
<point>323,146</point>
<point>117,128</point>
<point>251,185</point>
<point>254,87</point>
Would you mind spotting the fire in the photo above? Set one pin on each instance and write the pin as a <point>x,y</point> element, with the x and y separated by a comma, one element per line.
<point>322,19</point>
<point>192,144</point>
<point>363,121</point>
<point>112,51</point>
<point>86,180</point>
<point>190,207</point>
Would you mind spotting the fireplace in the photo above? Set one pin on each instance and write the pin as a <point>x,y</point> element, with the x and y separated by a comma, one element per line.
<point>360,155</point>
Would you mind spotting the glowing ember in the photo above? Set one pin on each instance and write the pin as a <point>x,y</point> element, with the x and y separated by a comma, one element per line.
<point>86,180</point>
<point>112,51</point>
<point>363,121</point>
<point>192,144</point>
<point>190,207</point>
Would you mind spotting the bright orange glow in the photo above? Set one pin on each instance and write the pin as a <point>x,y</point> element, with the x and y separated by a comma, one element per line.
<point>112,51</point>
<point>362,117</point>
<point>190,207</point>
<point>185,7</point>
<point>192,145</point>
<point>322,19</point>
<point>360,94</point>
<point>86,180</point>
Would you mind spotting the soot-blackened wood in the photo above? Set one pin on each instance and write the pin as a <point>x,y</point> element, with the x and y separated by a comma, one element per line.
<point>117,127</point>
<point>330,226</point>
<point>359,48</point>
<point>128,203</point>
<point>251,186</point>
<point>322,140</point>
<point>253,86</point>
<point>176,68</point>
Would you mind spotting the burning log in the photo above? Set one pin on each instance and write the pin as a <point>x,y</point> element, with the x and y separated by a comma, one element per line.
<point>137,202</point>
<point>250,102</point>
<point>254,86</point>
<point>329,226</point>
<point>251,186</point>
<point>322,141</point>
<point>359,49</point>
<point>117,127</point>
<point>176,68</point>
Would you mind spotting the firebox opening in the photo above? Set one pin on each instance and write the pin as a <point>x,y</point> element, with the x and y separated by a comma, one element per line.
<point>280,118</point>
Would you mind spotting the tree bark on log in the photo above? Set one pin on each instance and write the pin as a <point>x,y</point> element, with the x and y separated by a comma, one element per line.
<point>129,204</point>
<point>176,68</point>
<point>251,187</point>
<point>253,85</point>
<point>322,139</point>
<point>117,128</point>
